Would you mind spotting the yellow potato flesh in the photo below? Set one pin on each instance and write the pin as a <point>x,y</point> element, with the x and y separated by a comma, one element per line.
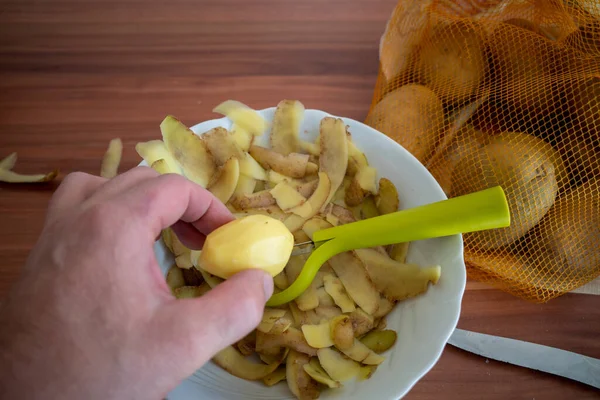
<point>233,362</point>
<point>314,369</point>
<point>13,177</point>
<point>311,207</point>
<point>334,152</point>
<point>9,162</point>
<point>318,336</point>
<point>286,196</point>
<point>253,242</point>
<point>112,159</point>
<point>189,150</point>
<point>334,287</point>
<point>361,353</point>
<point>155,150</point>
<point>243,116</point>
<point>286,126</point>
<point>245,186</point>
<point>275,177</point>
<point>161,167</point>
<point>251,168</point>
<point>337,366</point>
<point>242,137</point>
<point>366,179</point>
<point>224,186</point>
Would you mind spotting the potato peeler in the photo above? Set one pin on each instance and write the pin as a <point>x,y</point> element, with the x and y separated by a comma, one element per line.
<point>483,210</point>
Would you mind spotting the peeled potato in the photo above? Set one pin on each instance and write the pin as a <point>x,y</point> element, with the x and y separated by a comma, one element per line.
<point>527,176</point>
<point>256,241</point>
<point>452,62</point>
<point>570,232</point>
<point>411,115</point>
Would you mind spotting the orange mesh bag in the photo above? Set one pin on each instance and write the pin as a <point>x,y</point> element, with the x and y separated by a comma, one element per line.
<point>506,93</point>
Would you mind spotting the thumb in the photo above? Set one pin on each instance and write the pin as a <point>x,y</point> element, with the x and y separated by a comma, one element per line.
<point>197,329</point>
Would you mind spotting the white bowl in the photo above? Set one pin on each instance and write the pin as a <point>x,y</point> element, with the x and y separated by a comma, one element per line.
<point>423,324</point>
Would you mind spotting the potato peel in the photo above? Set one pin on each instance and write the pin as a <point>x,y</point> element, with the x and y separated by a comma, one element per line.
<point>300,383</point>
<point>395,280</point>
<point>243,116</point>
<point>221,145</point>
<point>9,161</point>
<point>314,369</point>
<point>353,274</point>
<point>112,159</point>
<point>226,181</point>
<point>338,367</point>
<point>13,177</point>
<point>155,150</point>
<point>293,164</point>
<point>189,150</point>
<point>233,362</point>
<point>286,126</point>
<point>334,152</point>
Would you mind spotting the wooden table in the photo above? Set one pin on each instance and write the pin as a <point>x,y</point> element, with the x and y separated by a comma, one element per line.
<point>74,74</point>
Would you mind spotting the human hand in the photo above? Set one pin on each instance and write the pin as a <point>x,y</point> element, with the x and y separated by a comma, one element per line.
<point>92,316</point>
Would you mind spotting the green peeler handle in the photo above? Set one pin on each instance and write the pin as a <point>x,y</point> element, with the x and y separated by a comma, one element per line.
<point>486,209</point>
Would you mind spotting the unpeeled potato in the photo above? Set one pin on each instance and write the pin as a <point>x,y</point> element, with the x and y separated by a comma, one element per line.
<point>523,64</point>
<point>537,145</point>
<point>413,116</point>
<point>527,177</point>
<point>570,232</point>
<point>452,62</point>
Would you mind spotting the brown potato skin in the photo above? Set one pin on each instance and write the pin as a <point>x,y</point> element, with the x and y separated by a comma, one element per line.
<point>527,177</point>
<point>452,63</point>
<point>413,116</point>
<point>570,232</point>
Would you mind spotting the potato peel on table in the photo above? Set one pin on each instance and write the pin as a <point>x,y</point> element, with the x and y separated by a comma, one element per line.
<point>9,176</point>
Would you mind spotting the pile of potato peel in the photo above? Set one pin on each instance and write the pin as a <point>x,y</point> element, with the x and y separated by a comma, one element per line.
<point>333,332</point>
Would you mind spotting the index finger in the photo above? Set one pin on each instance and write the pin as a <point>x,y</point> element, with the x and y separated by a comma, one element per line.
<point>162,201</point>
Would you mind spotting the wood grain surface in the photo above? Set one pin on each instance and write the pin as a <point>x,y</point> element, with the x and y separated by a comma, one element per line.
<point>74,74</point>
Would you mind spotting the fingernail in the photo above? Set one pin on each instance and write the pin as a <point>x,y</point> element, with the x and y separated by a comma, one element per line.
<point>268,286</point>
